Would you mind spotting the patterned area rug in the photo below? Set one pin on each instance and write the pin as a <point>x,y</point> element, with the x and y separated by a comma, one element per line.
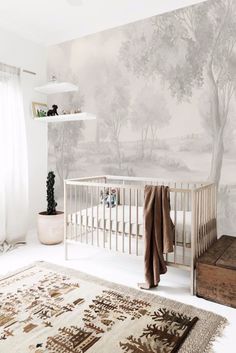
<point>48,309</point>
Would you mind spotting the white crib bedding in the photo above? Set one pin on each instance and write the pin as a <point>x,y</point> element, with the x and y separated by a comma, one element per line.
<point>123,220</point>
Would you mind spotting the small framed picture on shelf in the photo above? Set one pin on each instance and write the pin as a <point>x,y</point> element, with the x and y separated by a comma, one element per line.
<point>39,109</point>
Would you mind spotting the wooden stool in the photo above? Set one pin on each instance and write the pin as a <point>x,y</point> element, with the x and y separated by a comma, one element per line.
<point>216,272</point>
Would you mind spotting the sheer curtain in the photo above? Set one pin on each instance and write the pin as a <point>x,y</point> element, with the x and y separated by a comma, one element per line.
<point>13,159</point>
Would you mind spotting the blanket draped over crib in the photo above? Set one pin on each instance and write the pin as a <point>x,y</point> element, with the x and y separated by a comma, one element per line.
<point>159,233</point>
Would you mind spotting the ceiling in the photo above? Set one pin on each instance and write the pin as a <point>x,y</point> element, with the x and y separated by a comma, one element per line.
<point>53,21</point>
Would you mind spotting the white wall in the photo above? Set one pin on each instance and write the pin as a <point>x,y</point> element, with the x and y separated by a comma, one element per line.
<point>28,55</point>
<point>77,21</point>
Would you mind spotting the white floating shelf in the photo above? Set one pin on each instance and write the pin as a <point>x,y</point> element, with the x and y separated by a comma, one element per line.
<point>54,87</point>
<point>66,117</point>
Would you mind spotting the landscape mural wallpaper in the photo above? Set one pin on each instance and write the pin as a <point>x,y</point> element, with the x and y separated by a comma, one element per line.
<point>164,93</point>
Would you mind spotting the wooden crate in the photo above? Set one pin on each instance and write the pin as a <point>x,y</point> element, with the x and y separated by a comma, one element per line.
<point>216,272</point>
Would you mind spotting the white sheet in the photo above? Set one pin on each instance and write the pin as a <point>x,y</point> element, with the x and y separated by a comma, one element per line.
<point>126,220</point>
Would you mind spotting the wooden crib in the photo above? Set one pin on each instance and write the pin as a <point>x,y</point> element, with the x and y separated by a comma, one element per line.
<point>119,227</point>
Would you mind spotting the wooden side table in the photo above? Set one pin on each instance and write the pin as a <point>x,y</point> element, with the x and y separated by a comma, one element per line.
<point>216,272</point>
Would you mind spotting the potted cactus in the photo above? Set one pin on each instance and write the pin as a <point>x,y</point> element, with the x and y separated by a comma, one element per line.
<point>50,222</point>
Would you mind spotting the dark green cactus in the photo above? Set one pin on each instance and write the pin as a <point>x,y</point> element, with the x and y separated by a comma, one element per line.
<point>51,209</point>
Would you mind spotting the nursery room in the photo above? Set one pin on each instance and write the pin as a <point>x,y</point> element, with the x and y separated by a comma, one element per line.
<point>117,178</point>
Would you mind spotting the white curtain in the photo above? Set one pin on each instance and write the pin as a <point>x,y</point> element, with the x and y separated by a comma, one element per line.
<point>13,158</point>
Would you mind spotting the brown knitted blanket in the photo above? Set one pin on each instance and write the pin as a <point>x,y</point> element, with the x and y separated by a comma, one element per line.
<point>159,233</point>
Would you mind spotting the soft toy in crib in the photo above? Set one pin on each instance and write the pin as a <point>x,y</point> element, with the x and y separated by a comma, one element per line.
<point>108,197</point>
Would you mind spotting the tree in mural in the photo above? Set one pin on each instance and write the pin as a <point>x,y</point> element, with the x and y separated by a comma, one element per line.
<point>75,100</point>
<point>65,138</point>
<point>188,49</point>
<point>149,113</point>
<point>112,106</point>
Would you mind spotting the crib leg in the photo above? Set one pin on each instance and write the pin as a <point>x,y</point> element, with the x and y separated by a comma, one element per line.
<point>192,283</point>
<point>192,279</point>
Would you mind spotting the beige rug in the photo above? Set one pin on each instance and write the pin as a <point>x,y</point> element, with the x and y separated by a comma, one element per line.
<point>49,309</point>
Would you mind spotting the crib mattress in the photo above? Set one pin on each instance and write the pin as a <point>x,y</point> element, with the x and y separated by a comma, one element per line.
<point>129,220</point>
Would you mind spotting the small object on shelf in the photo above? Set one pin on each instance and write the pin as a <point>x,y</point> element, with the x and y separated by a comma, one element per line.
<point>78,110</point>
<point>72,111</point>
<point>53,87</point>
<point>53,111</point>
<point>39,109</point>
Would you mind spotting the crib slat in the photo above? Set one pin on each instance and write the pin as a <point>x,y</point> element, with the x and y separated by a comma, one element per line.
<point>183,228</point>
<point>110,225</point>
<point>86,214</point>
<point>103,218</point>
<point>196,216</point>
<point>137,221</point>
<point>166,255</point>
<point>116,217</point>
<point>200,238</point>
<point>97,214</point>
<point>208,209</point>
<point>130,221</point>
<point>123,220</point>
<point>188,205</point>
<point>212,212</point>
<point>81,208</point>
<point>209,228</point>
<point>205,218</point>
<point>197,212</point>
<point>71,213</point>
<point>200,223</point>
<point>193,239</point>
<point>175,221</point>
<point>211,216</point>
<point>91,190</point>
<point>65,221</point>
<point>203,221</point>
<point>76,215</point>
<point>215,208</point>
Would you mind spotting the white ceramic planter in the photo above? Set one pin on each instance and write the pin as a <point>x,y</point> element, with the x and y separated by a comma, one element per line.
<point>50,228</point>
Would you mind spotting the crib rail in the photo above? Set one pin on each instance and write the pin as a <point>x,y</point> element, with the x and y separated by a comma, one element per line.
<point>116,222</point>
